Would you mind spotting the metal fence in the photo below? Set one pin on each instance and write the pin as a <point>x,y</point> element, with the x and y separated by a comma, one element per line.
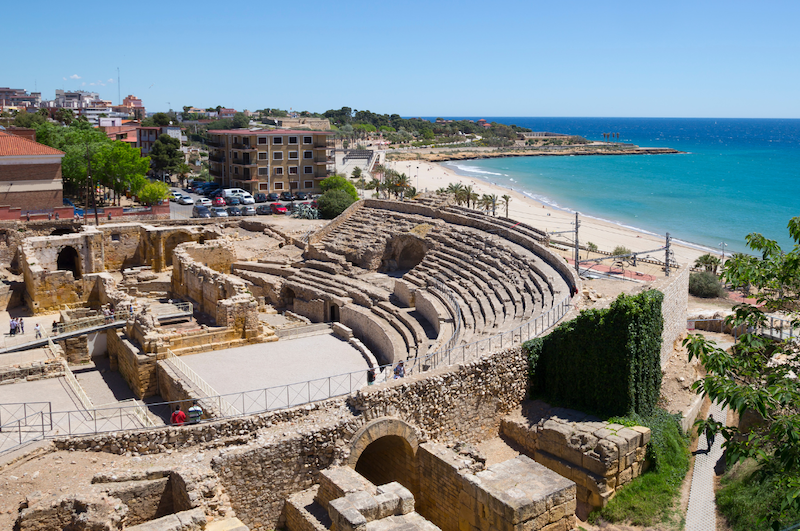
<point>774,328</point>
<point>46,424</point>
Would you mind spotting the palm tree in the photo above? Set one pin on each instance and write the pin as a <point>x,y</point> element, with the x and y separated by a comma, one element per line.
<point>506,200</point>
<point>709,262</point>
<point>493,203</point>
<point>485,203</point>
<point>473,197</point>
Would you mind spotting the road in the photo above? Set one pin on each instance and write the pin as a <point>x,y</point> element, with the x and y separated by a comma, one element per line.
<point>178,211</point>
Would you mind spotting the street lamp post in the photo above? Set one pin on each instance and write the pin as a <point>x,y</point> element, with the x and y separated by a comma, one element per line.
<point>722,246</point>
<point>417,179</point>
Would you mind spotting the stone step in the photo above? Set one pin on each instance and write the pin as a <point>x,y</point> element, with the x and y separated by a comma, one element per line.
<point>303,513</point>
<point>228,524</point>
<point>315,329</point>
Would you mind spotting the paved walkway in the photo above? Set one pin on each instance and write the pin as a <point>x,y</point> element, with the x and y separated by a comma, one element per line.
<point>702,512</point>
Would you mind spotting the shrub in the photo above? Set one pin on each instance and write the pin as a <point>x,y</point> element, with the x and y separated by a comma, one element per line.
<point>333,202</point>
<point>705,285</point>
<point>605,361</point>
<point>747,496</point>
<point>620,250</point>
<point>649,499</point>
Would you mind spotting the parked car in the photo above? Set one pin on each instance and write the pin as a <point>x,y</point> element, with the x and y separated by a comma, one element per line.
<point>246,199</point>
<point>301,196</point>
<point>272,197</point>
<point>218,201</point>
<point>204,201</point>
<point>260,197</point>
<point>201,212</point>
<point>232,201</point>
<point>277,208</point>
<point>185,200</point>
<point>234,211</point>
<point>219,212</point>
<point>247,210</point>
<point>174,195</point>
<point>286,196</point>
<point>264,210</point>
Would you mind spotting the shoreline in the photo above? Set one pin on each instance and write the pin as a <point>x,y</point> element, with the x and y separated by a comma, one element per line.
<point>443,154</point>
<point>525,207</point>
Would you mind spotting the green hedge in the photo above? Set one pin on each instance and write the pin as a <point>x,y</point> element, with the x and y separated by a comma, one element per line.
<point>603,361</point>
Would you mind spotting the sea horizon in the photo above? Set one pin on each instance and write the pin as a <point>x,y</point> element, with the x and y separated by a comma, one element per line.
<point>736,176</point>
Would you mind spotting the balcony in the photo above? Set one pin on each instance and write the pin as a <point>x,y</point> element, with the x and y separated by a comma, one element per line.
<point>214,143</point>
<point>220,158</point>
<point>243,147</point>
<point>324,160</point>
<point>241,162</point>
<point>215,173</point>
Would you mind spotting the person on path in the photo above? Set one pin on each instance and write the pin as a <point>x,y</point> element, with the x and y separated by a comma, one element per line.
<point>13,327</point>
<point>38,330</point>
<point>195,412</point>
<point>178,417</point>
<point>55,328</point>
<point>399,370</point>
<point>371,376</point>
<point>710,435</point>
<point>21,326</point>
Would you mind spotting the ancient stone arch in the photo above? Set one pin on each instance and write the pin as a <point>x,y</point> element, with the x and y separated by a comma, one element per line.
<point>69,260</point>
<point>385,450</point>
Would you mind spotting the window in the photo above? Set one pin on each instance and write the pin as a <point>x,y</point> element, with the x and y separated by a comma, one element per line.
<point>293,170</point>
<point>277,185</point>
<point>308,154</point>
<point>236,170</point>
<point>277,155</point>
<point>262,140</point>
<point>293,140</point>
<point>263,186</point>
<point>115,237</point>
<point>263,155</point>
<point>307,140</point>
<point>236,140</point>
<point>293,155</point>
<point>308,184</point>
<point>263,171</point>
<point>308,170</point>
<point>235,155</point>
<point>278,171</point>
<point>277,140</point>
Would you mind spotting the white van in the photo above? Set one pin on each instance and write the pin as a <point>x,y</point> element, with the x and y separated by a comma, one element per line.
<point>228,192</point>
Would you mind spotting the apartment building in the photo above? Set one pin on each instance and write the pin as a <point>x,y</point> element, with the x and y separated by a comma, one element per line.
<point>146,136</point>
<point>270,160</point>
<point>30,173</point>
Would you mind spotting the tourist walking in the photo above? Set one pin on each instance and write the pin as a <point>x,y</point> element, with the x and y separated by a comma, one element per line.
<point>38,331</point>
<point>371,376</point>
<point>21,326</point>
<point>195,413</point>
<point>178,417</point>
<point>13,327</point>
<point>399,370</point>
<point>710,435</point>
<point>55,328</point>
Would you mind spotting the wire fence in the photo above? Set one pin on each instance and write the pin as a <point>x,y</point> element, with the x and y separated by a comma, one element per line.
<point>774,328</point>
<point>27,426</point>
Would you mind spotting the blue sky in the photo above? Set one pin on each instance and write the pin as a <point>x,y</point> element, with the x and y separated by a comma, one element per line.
<point>641,59</point>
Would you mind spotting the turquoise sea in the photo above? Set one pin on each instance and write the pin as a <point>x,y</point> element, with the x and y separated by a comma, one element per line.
<point>738,176</point>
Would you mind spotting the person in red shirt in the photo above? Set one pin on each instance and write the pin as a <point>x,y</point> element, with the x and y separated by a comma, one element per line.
<point>178,417</point>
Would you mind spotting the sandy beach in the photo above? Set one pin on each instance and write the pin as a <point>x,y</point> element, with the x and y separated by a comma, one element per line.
<point>605,235</point>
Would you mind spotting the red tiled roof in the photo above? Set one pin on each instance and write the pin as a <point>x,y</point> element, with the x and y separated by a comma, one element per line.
<point>13,145</point>
<point>266,132</point>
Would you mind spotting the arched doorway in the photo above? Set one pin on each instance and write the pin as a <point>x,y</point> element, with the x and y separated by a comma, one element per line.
<point>388,459</point>
<point>173,241</point>
<point>334,313</point>
<point>385,450</point>
<point>69,260</point>
<point>289,298</point>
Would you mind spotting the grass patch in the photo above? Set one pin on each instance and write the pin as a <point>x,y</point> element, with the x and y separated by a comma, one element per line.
<point>650,499</point>
<point>747,495</point>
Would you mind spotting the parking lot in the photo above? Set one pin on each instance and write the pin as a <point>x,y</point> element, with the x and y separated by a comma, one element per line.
<point>178,211</point>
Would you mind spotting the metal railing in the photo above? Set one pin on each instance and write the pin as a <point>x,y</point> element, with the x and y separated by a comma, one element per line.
<point>775,328</point>
<point>43,424</point>
<point>13,412</point>
<point>226,409</point>
<point>84,399</point>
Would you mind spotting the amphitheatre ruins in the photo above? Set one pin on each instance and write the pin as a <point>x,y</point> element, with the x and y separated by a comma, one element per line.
<point>177,311</point>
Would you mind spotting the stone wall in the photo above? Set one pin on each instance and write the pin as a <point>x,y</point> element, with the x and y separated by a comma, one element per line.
<point>359,320</point>
<point>674,309</point>
<point>139,370</point>
<point>599,457</point>
<point>122,245</point>
<point>28,372</point>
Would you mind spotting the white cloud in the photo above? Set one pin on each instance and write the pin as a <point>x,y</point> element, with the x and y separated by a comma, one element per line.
<point>90,84</point>
<point>83,84</point>
<point>64,78</point>
<point>74,76</point>
<point>110,80</point>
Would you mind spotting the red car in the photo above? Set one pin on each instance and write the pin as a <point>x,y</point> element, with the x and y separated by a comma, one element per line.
<point>218,201</point>
<point>277,208</point>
